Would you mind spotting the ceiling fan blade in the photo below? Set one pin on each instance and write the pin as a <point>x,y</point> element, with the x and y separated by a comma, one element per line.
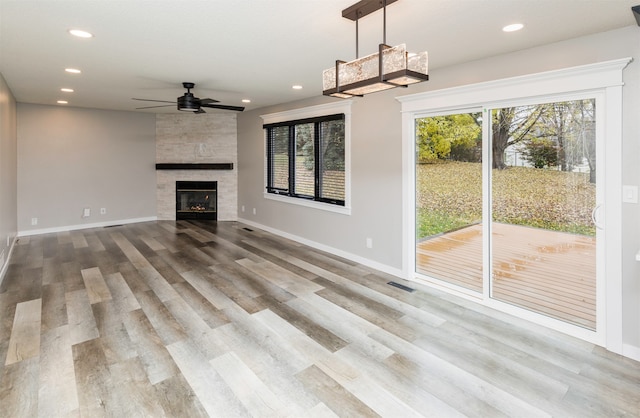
<point>208,101</point>
<point>151,107</point>
<point>151,100</point>
<point>221,106</point>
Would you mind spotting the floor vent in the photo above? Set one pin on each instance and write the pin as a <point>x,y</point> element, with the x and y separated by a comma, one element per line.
<point>401,286</point>
<point>248,229</point>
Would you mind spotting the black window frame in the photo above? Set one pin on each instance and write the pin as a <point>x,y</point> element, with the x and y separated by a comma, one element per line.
<point>290,191</point>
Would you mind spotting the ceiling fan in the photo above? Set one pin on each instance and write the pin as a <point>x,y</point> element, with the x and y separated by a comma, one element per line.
<point>189,103</point>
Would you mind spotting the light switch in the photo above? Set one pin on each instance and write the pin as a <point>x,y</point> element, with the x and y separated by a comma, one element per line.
<point>630,194</point>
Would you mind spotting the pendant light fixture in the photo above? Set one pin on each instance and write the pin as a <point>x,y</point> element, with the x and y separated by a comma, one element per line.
<point>390,67</point>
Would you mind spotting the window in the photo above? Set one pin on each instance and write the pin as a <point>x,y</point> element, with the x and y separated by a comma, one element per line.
<point>307,155</point>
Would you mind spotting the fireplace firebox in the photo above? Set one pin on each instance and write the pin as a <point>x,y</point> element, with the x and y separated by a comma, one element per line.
<point>197,200</point>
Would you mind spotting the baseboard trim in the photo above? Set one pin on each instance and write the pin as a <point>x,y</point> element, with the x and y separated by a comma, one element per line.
<point>322,247</point>
<point>85,226</point>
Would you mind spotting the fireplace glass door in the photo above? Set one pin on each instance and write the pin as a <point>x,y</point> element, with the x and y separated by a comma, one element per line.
<point>196,200</point>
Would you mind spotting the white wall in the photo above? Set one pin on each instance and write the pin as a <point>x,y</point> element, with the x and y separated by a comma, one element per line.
<point>70,159</point>
<point>377,177</point>
<point>8,173</point>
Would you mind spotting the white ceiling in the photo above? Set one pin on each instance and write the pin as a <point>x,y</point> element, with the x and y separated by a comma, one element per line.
<point>255,49</point>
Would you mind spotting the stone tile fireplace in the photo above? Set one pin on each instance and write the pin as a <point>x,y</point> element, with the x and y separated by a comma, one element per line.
<point>197,148</point>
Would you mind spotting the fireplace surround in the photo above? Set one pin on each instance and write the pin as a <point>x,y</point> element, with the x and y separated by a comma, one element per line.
<point>197,200</point>
<point>201,148</point>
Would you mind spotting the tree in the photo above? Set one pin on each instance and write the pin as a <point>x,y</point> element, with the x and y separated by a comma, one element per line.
<point>570,127</point>
<point>555,121</point>
<point>333,145</point>
<point>304,144</point>
<point>587,135</point>
<point>466,139</point>
<point>541,152</point>
<point>510,126</point>
<point>451,136</point>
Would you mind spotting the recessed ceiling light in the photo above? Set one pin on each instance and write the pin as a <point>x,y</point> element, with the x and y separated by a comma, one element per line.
<point>66,90</point>
<point>297,87</point>
<point>62,102</point>
<point>72,70</point>
<point>246,101</point>
<point>80,33</point>
<point>513,27</point>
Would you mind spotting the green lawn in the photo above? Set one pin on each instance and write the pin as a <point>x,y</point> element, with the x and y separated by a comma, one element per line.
<point>449,196</point>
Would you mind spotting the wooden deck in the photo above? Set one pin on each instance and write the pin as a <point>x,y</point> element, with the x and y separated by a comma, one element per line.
<point>548,272</point>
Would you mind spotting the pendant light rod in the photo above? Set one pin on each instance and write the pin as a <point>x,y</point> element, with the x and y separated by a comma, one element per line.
<point>357,42</point>
<point>364,8</point>
<point>384,22</point>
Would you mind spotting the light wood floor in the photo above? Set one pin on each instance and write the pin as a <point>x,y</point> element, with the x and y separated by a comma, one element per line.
<point>195,319</point>
<point>549,272</point>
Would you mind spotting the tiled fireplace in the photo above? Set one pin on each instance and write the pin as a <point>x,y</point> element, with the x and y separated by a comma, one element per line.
<point>196,148</point>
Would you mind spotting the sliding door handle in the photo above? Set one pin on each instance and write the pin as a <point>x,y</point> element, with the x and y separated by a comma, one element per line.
<point>594,216</point>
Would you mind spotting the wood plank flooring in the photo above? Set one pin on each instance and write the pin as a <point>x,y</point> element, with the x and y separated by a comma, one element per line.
<point>549,272</point>
<point>195,319</point>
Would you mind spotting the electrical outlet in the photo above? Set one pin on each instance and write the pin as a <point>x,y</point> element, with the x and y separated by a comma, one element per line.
<point>34,221</point>
<point>103,211</point>
<point>243,208</point>
<point>369,243</point>
<point>86,212</point>
<point>254,211</point>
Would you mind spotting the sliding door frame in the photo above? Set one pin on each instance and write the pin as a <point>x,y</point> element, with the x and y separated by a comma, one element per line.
<point>602,81</point>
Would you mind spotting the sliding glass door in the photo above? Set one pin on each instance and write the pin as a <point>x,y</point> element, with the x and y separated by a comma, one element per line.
<point>511,215</point>
<point>543,196</point>
<point>448,197</point>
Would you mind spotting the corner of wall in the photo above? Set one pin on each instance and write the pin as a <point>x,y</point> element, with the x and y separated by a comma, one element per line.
<point>8,174</point>
<point>4,258</point>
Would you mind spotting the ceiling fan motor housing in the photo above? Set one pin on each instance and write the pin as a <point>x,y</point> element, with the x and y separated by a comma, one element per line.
<point>188,102</point>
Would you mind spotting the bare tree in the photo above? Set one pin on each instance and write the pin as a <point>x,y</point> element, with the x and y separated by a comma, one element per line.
<point>587,134</point>
<point>571,126</point>
<point>510,126</point>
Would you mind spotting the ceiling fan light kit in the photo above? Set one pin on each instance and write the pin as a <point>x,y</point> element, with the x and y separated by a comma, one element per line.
<point>189,103</point>
<point>388,68</point>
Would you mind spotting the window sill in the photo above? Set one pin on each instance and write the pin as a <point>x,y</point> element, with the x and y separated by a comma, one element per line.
<point>328,207</point>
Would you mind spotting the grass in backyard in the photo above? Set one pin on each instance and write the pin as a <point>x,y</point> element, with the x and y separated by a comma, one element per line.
<point>430,223</point>
<point>449,195</point>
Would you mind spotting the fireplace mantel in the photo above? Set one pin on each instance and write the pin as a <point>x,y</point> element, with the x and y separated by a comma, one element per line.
<point>194,166</point>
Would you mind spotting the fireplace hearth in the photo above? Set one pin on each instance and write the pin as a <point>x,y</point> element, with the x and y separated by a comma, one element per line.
<point>197,200</point>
